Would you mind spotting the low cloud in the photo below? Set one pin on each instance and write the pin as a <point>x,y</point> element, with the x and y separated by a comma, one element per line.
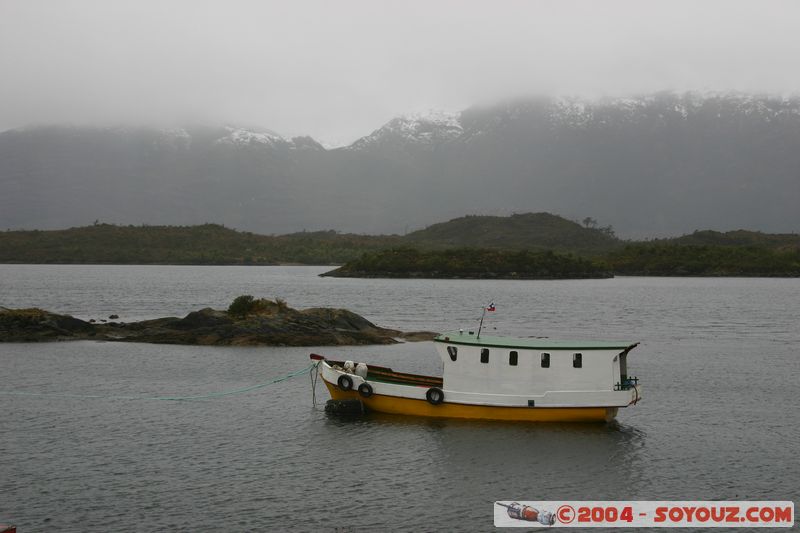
<point>337,70</point>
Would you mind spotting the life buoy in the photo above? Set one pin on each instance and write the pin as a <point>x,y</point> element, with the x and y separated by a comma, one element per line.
<point>365,390</point>
<point>435,396</point>
<point>345,382</point>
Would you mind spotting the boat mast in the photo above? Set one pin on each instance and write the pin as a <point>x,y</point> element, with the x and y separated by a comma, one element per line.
<point>480,326</point>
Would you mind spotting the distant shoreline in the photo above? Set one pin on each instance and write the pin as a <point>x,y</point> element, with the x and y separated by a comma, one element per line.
<point>465,278</point>
<point>525,246</point>
<point>476,277</point>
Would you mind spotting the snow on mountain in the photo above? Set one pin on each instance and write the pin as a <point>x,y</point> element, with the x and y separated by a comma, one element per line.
<point>428,128</point>
<point>577,113</point>
<point>242,137</point>
<point>572,111</point>
<point>675,162</point>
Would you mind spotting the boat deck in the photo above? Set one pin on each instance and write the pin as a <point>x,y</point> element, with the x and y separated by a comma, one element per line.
<point>387,375</point>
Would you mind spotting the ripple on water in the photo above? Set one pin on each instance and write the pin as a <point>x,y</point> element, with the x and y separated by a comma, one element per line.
<point>718,420</point>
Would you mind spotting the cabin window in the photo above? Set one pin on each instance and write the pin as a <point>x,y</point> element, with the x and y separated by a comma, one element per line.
<point>577,360</point>
<point>453,351</point>
<point>545,360</point>
<point>484,355</point>
<point>512,358</point>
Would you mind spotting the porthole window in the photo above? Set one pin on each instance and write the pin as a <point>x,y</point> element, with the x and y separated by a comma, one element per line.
<point>545,360</point>
<point>512,358</point>
<point>453,352</point>
<point>577,360</point>
<point>484,355</point>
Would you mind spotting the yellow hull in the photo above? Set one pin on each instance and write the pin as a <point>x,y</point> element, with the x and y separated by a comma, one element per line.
<point>408,406</point>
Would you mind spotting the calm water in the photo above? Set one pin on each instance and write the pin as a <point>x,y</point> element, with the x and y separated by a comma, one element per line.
<point>719,362</point>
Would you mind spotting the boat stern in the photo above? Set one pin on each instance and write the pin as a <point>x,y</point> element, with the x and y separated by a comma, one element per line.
<point>632,387</point>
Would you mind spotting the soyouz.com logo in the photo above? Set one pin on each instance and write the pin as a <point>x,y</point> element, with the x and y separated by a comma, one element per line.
<point>750,514</point>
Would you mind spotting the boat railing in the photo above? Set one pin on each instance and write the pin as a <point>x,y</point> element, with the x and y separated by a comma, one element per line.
<point>626,384</point>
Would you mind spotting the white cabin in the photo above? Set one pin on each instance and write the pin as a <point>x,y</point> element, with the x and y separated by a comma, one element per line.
<point>536,372</point>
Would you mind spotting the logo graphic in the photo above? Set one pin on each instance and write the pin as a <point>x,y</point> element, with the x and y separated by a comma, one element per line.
<point>565,514</point>
<point>527,513</point>
<point>644,513</point>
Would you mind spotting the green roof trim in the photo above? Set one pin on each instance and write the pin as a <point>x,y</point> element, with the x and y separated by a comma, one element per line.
<point>530,344</point>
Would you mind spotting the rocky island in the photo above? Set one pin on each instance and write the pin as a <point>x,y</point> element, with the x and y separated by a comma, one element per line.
<point>247,322</point>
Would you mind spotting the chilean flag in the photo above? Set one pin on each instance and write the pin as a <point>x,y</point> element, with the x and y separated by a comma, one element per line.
<point>491,307</point>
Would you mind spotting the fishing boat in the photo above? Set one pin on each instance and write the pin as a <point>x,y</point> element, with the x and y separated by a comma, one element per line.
<point>497,378</point>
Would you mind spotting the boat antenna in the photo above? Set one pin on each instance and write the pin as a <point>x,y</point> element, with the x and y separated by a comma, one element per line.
<point>489,307</point>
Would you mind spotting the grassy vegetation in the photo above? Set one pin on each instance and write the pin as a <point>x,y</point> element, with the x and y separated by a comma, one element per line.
<point>472,246</point>
<point>640,259</point>
<point>209,244</point>
<point>212,244</point>
<point>785,241</point>
<point>671,259</point>
<point>529,231</point>
<point>246,305</point>
<point>470,263</point>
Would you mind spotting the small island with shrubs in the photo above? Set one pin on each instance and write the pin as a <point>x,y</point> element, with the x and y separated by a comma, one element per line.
<point>247,322</point>
<point>468,263</point>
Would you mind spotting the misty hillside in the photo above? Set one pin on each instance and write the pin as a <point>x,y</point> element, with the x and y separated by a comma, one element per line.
<point>207,244</point>
<point>659,165</point>
<point>215,244</point>
<point>520,231</point>
<point>739,238</point>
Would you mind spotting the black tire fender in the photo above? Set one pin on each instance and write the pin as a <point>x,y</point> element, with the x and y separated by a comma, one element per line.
<point>345,382</point>
<point>435,396</point>
<point>365,390</point>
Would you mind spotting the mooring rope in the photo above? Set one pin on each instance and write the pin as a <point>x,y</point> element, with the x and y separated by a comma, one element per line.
<point>261,385</point>
<point>314,375</point>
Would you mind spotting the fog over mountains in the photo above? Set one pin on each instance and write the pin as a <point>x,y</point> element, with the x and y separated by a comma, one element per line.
<point>663,164</point>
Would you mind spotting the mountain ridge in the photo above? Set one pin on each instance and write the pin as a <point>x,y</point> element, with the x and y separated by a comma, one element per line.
<point>659,165</point>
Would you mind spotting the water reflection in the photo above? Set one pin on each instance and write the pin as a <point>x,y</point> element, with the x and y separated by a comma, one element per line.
<point>499,454</point>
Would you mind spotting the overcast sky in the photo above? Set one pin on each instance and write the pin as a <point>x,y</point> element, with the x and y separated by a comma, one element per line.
<point>337,70</point>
